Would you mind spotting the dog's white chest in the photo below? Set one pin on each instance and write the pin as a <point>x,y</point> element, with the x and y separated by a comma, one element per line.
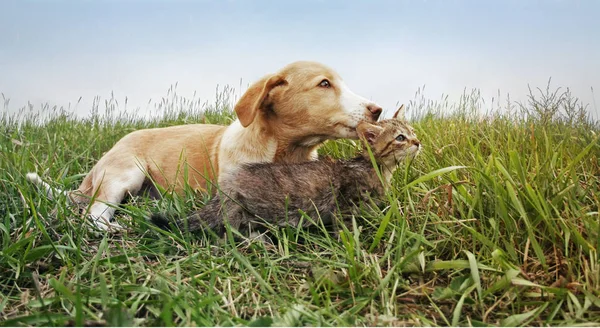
<point>241,145</point>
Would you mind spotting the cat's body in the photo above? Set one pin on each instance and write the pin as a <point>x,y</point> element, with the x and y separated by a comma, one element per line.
<point>280,193</point>
<point>276,193</point>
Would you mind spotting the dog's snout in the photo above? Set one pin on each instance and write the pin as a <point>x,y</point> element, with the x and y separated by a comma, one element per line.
<point>375,111</point>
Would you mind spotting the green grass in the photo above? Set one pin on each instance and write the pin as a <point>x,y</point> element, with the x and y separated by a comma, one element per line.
<point>496,223</point>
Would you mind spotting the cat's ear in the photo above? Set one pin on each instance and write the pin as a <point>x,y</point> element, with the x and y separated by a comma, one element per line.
<point>399,115</point>
<point>368,132</point>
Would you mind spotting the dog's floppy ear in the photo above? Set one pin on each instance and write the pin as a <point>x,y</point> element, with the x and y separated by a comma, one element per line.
<point>368,132</point>
<point>254,98</point>
<point>399,115</point>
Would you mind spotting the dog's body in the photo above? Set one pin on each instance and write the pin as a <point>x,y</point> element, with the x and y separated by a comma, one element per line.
<point>284,117</point>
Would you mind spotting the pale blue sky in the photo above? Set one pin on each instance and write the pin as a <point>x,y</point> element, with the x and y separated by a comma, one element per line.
<point>56,51</point>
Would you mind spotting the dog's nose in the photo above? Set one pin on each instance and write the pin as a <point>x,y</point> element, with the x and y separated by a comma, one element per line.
<point>375,111</point>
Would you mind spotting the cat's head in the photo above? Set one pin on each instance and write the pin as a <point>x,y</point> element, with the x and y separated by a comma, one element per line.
<point>391,140</point>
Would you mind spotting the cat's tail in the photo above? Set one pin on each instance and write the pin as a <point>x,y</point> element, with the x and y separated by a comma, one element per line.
<point>161,220</point>
<point>51,192</point>
<point>193,222</point>
<point>207,218</point>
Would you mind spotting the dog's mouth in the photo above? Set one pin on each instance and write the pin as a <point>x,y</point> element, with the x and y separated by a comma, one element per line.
<point>346,127</point>
<point>341,130</point>
<point>346,130</point>
<point>337,130</point>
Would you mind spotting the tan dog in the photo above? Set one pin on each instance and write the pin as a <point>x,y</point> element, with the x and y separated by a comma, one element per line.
<point>283,117</point>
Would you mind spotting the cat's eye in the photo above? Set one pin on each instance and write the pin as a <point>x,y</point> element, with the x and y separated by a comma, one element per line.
<point>325,84</point>
<point>401,137</point>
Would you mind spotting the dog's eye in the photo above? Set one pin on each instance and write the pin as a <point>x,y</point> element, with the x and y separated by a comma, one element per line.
<point>400,137</point>
<point>325,84</point>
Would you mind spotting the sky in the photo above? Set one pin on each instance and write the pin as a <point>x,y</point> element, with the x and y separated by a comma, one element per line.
<point>56,51</point>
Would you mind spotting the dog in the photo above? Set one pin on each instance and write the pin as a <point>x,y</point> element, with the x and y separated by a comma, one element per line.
<point>283,117</point>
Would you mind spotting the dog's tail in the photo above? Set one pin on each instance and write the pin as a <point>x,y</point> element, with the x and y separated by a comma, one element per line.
<point>51,192</point>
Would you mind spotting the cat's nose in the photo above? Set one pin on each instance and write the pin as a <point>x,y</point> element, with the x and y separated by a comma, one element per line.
<point>375,111</point>
<point>417,143</point>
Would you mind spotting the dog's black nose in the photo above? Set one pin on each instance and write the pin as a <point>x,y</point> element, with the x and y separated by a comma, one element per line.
<point>375,111</point>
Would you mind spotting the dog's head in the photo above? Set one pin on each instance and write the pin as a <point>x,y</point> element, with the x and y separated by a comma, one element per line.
<point>305,104</point>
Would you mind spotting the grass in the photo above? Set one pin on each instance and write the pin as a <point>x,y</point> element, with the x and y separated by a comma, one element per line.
<point>496,223</point>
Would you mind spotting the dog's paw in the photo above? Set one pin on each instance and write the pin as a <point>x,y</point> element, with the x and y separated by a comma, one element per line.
<point>100,225</point>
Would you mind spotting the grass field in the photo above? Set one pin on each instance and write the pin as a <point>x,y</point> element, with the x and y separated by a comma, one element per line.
<point>495,223</point>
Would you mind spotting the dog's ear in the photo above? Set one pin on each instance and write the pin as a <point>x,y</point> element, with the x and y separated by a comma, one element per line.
<point>368,132</point>
<point>399,115</point>
<point>254,98</point>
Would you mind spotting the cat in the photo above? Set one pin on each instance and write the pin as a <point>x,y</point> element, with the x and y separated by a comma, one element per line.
<point>278,193</point>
